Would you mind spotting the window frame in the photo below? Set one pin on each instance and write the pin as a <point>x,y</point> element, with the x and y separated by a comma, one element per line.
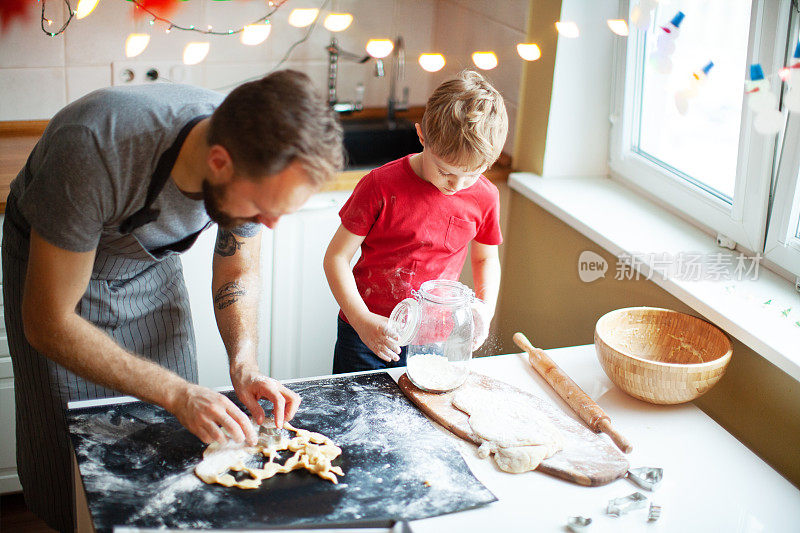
<point>744,220</point>
<point>782,245</point>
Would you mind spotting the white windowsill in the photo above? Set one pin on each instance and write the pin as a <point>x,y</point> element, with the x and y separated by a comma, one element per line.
<point>625,223</point>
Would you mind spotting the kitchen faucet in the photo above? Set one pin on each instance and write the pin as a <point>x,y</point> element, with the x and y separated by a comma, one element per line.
<point>334,51</point>
<point>398,73</point>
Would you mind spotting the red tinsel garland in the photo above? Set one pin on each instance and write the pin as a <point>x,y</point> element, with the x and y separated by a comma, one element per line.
<point>11,10</point>
<point>15,9</point>
<point>162,8</point>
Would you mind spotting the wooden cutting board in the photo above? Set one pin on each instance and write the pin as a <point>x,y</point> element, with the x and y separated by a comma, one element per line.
<point>588,458</point>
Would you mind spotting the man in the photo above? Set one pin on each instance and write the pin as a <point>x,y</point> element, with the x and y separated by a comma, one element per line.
<point>121,182</point>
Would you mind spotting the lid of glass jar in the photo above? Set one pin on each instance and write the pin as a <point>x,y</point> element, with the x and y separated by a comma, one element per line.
<point>404,320</point>
<point>446,291</point>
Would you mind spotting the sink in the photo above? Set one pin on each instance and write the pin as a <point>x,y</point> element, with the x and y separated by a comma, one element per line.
<point>371,142</point>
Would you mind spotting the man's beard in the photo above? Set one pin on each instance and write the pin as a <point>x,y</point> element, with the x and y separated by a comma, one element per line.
<point>212,198</point>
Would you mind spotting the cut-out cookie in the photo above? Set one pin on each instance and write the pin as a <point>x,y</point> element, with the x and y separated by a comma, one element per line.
<point>312,451</point>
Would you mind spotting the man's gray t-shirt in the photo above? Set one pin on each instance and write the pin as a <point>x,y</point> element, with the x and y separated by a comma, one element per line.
<point>92,167</point>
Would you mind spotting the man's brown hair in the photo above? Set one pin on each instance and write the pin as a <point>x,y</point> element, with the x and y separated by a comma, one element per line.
<point>465,121</point>
<point>269,123</point>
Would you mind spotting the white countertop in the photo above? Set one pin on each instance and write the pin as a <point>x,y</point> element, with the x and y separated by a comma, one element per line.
<point>712,482</point>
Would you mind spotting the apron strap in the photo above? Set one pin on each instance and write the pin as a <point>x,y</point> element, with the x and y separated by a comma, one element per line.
<point>145,215</point>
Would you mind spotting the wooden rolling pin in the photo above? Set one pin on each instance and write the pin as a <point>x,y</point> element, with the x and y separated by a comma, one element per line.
<point>579,401</point>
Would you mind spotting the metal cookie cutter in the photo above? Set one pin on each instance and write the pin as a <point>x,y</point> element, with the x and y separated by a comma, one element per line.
<point>268,434</point>
<point>654,513</point>
<point>626,504</point>
<point>578,524</point>
<point>646,477</point>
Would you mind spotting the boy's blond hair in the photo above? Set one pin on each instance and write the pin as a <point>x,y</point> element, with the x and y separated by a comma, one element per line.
<point>465,121</point>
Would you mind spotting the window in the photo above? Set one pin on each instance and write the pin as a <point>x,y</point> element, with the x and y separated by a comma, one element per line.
<point>783,238</point>
<point>783,235</point>
<point>692,145</point>
<point>700,145</point>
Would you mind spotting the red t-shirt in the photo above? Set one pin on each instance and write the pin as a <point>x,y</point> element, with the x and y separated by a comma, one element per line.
<point>413,232</point>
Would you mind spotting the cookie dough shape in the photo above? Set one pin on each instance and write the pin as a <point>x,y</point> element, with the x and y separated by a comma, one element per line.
<point>511,429</point>
<point>312,451</point>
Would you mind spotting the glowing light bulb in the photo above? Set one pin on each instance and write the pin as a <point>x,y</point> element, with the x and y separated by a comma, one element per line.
<point>431,62</point>
<point>618,26</point>
<point>136,43</point>
<point>300,18</point>
<point>338,21</point>
<point>195,52</point>
<point>85,7</point>
<point>567,29</point>
<point>529,51</point>
<point>254,34</point>
<point>379,48</point>
<point>484,60</point>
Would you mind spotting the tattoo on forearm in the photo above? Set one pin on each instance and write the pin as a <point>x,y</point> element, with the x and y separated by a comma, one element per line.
<point>229,294</point>
<point>227,244</point>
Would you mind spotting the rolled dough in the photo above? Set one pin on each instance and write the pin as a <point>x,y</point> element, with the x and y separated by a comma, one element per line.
<point>509,427</point>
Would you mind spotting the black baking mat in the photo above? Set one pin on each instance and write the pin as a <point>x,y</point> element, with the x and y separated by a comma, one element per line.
<point>137,465</point>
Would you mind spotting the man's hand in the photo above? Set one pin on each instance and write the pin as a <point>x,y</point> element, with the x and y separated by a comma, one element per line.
<point>251,385</point>
<point>205,413</point>
<point>374,332</point>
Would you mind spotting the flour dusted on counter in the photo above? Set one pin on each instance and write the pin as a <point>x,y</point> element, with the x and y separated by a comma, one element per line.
<point>433,372</point>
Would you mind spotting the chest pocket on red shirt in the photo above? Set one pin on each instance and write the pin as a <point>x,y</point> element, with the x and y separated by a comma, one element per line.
<point>459,233</point>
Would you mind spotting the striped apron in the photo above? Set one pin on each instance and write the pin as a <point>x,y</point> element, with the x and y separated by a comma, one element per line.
<point>137,296</point>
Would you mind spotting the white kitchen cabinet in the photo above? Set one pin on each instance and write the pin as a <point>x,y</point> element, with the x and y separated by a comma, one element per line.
<point>9,482</point>
<point>303,308</point>
<point>212,359</point>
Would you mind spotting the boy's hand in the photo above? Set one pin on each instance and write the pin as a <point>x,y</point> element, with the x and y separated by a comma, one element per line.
<point>482,317</point>
<point>374,332</point>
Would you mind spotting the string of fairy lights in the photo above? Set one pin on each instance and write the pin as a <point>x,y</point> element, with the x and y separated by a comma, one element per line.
<point>642,16</point>
<point>257,31</point>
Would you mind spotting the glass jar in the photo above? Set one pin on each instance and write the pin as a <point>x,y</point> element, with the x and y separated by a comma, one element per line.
<point>438,325</point>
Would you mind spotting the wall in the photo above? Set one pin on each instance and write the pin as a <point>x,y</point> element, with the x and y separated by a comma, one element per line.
<point>578,123</point>
<point>543,297</point>
<point>466,26</point>
<point>536,89</point>
<point>40,74</point>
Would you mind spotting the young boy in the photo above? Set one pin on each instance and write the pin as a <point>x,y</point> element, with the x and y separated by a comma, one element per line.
<point>413,219</point>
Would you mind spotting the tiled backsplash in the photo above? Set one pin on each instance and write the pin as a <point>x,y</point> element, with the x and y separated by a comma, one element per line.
<point>40,74</point>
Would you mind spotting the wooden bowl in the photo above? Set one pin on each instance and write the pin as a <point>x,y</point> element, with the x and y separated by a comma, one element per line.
<point>661,356</point>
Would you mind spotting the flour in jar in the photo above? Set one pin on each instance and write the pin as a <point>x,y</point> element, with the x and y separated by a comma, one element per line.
<point>433,372</point>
